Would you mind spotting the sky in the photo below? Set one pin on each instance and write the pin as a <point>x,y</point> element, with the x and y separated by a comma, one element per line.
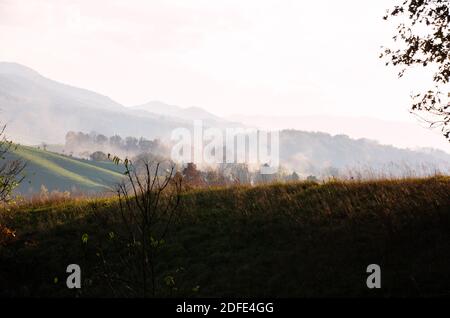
<point>252,57</point>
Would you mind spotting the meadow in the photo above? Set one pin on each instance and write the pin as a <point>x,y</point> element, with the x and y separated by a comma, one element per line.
<point>63,172</point>
<point>300,239</point>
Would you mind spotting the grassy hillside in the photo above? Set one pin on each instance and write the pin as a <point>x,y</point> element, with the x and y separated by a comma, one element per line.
<point>58,172</point>
<point>300,239</point>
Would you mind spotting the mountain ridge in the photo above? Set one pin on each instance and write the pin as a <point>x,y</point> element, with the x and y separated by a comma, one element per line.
<point>37,109</point>
<point>187,114</point>
<point>42,110</point>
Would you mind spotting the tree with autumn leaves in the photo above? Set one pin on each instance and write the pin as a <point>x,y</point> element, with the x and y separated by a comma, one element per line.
<point>423,39</point>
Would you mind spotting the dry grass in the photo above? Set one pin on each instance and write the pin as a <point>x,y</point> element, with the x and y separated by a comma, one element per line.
<point>294,239</point>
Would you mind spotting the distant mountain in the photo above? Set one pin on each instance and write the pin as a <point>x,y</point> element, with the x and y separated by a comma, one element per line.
<point>37,109</point>
<point>409,134</point>
<point>320,153</point>
<point>188,114</point>
<point>20,83</point>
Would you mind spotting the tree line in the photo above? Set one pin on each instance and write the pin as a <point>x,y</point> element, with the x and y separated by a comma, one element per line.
<point>93,145</point>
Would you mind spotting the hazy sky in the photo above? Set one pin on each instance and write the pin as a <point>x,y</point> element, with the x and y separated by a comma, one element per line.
<point>267,57</point>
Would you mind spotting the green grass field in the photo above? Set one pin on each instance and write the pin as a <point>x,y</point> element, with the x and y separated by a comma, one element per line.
<point>282,240</point>
<point>62,173</point>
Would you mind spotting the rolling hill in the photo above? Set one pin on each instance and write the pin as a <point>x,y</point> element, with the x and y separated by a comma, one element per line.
<point>317,153</point>
<point>64,173</point>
